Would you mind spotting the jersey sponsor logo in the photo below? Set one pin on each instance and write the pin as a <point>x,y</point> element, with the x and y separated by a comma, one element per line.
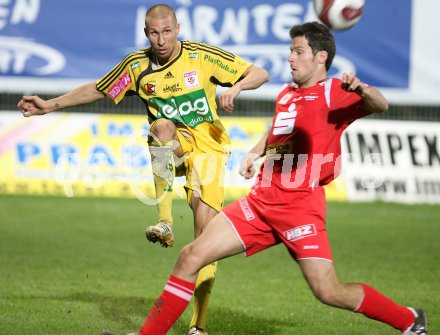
<point>151,88</point>
<point>191,109</point>
<point>247,211</point>
<point>191,79</point>
<point>220,64</point>
<point>172,88</point>
<point>135,65</point>
<point>123,82</point>
<point>193,55</point>
<point>285,98</point>
<point>292,107</point>
<point>300,232</point>
<point>290,97</point>
<point>168,75</point>
<point>278,149</point>
<point>284,123</point>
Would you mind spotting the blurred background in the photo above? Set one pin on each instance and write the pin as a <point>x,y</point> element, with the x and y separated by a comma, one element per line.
<point>50,47</point>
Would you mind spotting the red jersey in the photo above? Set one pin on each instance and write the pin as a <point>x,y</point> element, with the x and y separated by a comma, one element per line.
<point>304,145</point>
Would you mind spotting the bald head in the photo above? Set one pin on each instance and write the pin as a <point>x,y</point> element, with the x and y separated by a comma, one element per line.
<point>160,12</point>
<point>162,29</point>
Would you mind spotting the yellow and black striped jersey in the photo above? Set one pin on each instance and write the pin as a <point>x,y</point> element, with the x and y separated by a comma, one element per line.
<point>183,90</point>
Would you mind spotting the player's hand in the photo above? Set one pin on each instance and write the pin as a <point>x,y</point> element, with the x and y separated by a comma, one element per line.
<point>247,169</point>
<point>226,100</point>
<point>351,83</point>
<point>32,105</point>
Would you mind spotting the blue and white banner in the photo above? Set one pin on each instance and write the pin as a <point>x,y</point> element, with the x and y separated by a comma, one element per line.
<point>52,46</point>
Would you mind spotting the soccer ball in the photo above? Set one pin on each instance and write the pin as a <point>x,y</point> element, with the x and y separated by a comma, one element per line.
<point>339,14</point>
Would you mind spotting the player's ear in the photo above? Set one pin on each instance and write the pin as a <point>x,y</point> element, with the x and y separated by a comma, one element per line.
<point>177,29</point>
<point>322,56</point>
<point>145,31</point>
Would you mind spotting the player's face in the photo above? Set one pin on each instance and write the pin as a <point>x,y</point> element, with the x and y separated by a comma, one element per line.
<point>306,68</point>
<point>162,34</point>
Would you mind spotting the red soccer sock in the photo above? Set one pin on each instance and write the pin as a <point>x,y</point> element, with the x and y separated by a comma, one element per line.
<point>168,307</point>
<point>378,307</point>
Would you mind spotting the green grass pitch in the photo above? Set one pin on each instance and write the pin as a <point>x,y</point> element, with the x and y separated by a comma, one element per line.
<point>76,266</point>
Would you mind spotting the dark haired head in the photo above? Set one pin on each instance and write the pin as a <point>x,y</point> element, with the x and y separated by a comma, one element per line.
<point>318,37</point>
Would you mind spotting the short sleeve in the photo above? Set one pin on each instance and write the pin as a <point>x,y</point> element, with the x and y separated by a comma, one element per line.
<point>345,107</point>
<point>226,68</point>
<point>119,81</point>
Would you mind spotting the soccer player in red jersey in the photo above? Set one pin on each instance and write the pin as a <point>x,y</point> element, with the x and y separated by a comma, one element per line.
<point>287,203</point>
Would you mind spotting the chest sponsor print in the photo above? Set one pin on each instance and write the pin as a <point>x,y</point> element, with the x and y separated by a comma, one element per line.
<point>172,88</point>
<point>191,109</point>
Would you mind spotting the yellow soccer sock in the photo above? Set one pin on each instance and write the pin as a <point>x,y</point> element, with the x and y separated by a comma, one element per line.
<point>162,164</point>
<point>204,284</point>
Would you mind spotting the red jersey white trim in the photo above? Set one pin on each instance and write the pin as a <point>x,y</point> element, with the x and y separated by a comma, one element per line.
<point>304,142</point>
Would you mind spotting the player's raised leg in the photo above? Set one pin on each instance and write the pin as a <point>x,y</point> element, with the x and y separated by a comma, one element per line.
<point>161,142</point>
<point>360,298</point>
<point>218,240</point>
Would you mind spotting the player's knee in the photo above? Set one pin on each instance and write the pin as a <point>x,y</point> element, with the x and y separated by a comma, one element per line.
<point>326,295</point>
<point>163,129</point>
<point>188,262</point>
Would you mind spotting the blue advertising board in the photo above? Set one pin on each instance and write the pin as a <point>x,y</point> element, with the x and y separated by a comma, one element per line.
<point>84,39</point>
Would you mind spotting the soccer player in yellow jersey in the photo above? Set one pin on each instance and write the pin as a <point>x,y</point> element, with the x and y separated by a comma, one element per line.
<point>177,81</point>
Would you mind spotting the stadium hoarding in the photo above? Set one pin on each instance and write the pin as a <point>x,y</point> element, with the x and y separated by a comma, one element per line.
<point>395,161</point>
<point>46,48</point>
<point>98,155</point>
<point>72,154</point>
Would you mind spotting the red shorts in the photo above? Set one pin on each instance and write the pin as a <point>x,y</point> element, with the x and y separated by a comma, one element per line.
<point>269,216</point>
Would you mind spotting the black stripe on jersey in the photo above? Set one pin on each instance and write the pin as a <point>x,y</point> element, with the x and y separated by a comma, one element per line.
<point>215,51</point>
<point>115,73</point>
<point>143,74</point>
<point>150,70</point>
<point>207,46</point>
<point>215,81</point>
<point>212,50</point>
<point>151,116</point>
<point>167,65</point>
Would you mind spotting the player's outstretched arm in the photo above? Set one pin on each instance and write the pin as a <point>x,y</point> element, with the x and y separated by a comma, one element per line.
<point>253,78</point>
<point>34,105</point>
<point>247,169</point>
<point>374,101</point>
